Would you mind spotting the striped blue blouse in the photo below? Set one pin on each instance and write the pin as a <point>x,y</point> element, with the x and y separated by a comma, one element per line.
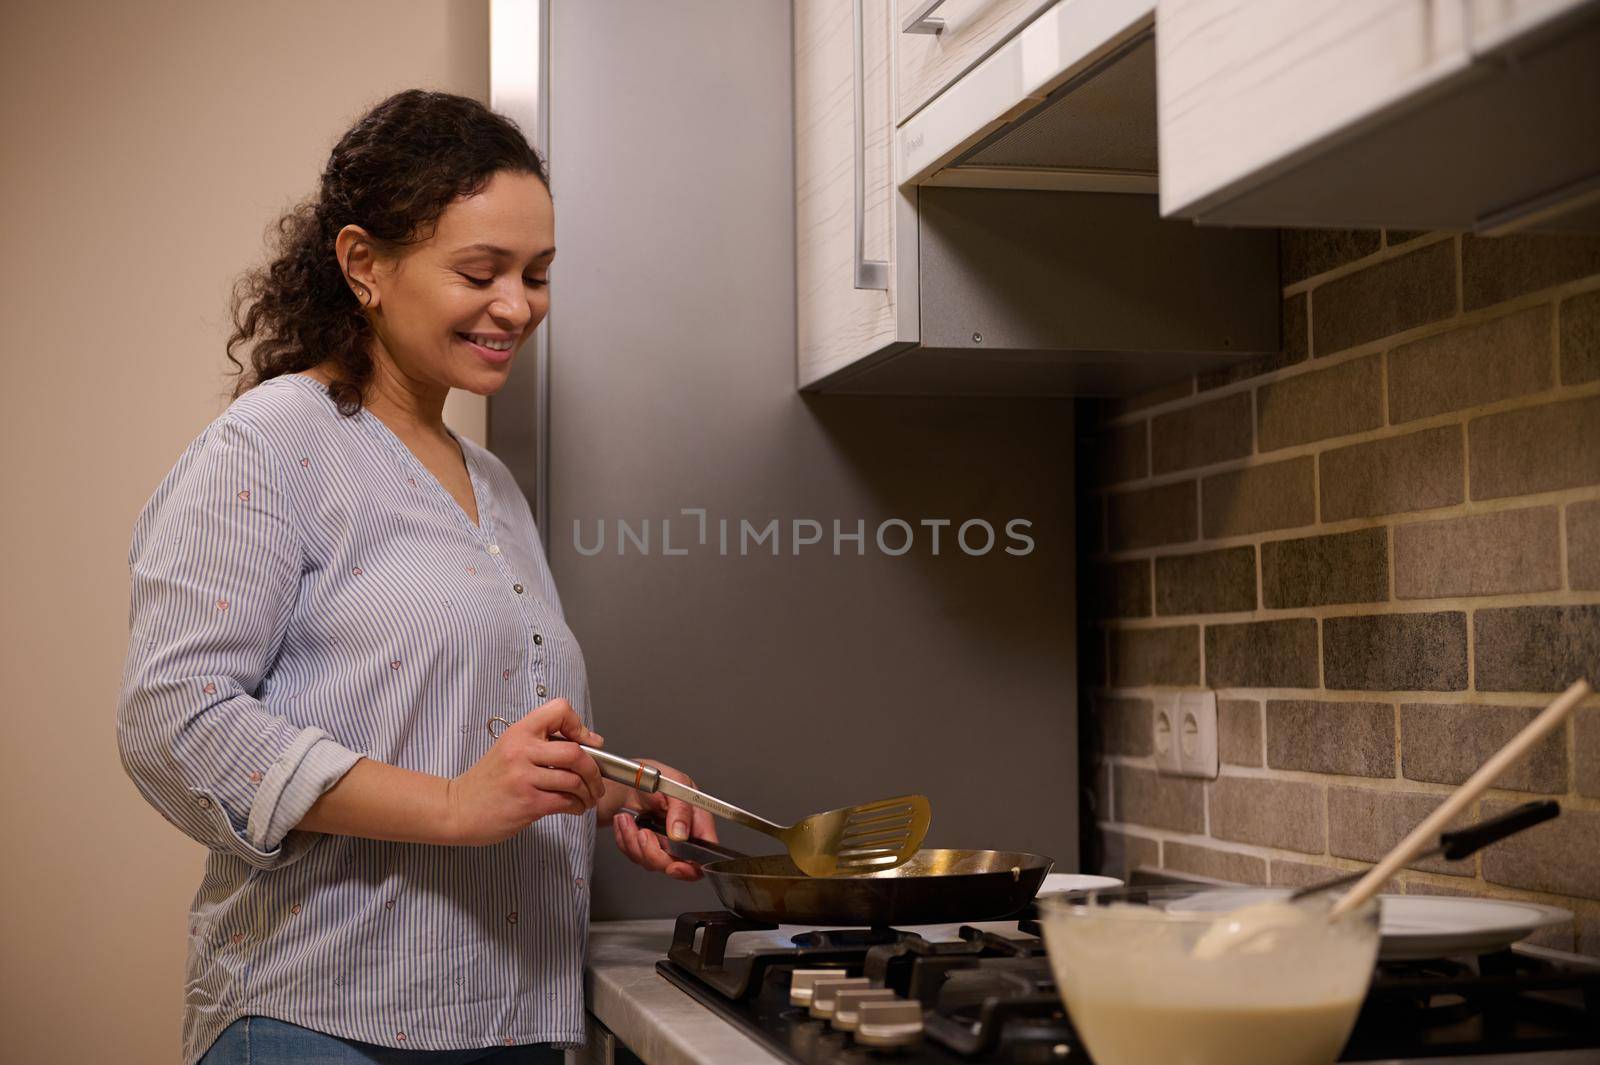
<point>304,593</point>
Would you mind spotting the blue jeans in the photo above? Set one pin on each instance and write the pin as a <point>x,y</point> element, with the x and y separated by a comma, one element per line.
<point>264,1041</point>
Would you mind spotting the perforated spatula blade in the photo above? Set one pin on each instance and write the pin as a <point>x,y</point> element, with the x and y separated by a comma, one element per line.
<point>865,838</point>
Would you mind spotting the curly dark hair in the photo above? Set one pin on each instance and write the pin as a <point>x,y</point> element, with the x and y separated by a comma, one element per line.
<point>393,174</point>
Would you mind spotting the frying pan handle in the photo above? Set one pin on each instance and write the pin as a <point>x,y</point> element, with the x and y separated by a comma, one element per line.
<point>1464,841</point>
<point>694,850</point>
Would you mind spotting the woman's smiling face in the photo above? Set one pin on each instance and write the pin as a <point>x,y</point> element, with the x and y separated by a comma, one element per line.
<point>451,311</point>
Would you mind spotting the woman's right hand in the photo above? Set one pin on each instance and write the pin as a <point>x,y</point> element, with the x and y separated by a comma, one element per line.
<point>533,770</point>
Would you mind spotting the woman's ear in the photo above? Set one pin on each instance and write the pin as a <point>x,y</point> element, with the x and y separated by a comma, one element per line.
<point>358,260</point>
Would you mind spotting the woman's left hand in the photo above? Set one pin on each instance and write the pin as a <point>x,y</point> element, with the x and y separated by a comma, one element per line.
<point>646,848</point>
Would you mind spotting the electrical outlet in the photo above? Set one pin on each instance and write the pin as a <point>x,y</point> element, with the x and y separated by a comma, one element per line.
<point>1165,732</point>
<point>1197,734</point>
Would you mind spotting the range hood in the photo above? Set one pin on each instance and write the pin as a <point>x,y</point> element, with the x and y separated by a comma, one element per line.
<point>1028,292</point>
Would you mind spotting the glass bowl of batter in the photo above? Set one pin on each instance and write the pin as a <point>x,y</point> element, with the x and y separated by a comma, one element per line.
<point>1148,976</point>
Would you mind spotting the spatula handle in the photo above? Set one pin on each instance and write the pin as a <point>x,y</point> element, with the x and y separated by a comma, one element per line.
<point>648,779</point>
<point>637,775</point>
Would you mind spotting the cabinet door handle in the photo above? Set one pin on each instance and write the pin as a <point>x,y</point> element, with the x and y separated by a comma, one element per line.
<point>869,273</point>
<point>923,20</point>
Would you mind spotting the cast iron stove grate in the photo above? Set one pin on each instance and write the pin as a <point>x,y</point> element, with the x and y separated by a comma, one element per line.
<point>990,997</point>
<point>1506,1002</point>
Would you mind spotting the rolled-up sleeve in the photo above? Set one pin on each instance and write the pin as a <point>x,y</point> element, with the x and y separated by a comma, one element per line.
<point>216,565</point>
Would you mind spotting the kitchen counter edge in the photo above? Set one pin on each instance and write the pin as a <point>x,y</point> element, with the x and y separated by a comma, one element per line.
<point>658,1022</point>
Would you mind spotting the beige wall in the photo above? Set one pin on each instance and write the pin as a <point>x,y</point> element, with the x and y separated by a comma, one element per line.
<point>147,146</point>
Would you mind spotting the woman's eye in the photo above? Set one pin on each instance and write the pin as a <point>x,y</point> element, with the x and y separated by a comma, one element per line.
<point>536,282</point>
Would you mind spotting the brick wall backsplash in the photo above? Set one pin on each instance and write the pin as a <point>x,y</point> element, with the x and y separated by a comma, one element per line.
<point>1381,546</point>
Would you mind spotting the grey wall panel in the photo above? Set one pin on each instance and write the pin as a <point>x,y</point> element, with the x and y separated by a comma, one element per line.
<point>794,683</point>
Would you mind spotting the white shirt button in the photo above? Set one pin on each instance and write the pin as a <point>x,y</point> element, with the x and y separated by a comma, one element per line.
<point>494,549</point>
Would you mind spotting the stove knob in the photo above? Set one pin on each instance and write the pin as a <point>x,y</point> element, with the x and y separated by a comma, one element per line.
<point>847,1005</point>
<point>889,1024</point>
<point>825,992</point>
<point>801,982</point>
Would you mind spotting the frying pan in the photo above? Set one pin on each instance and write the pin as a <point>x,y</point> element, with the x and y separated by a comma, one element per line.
<point>934,887</point>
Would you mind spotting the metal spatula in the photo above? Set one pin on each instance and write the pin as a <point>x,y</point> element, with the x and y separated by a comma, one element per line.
<point>864,838</point>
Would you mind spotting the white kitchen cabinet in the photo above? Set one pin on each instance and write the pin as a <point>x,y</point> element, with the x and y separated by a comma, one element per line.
<point>911,290</point>
<point>845,198</point>
<point>1472,114</point>
<point>1489,22</point>
<point>1241,86</point>
<point>937,41</point>
<point>1066,103</point>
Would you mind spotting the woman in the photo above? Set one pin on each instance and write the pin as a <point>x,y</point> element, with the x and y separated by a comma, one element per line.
<point>333,594</point>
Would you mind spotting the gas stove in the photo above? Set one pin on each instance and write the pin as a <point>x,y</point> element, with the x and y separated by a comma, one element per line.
<point>984,993</point>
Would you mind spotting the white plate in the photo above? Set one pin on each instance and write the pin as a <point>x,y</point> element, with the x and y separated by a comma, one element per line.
<point>1422,926</point>
<point>1432,926</point>
<point>1077,882</point>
